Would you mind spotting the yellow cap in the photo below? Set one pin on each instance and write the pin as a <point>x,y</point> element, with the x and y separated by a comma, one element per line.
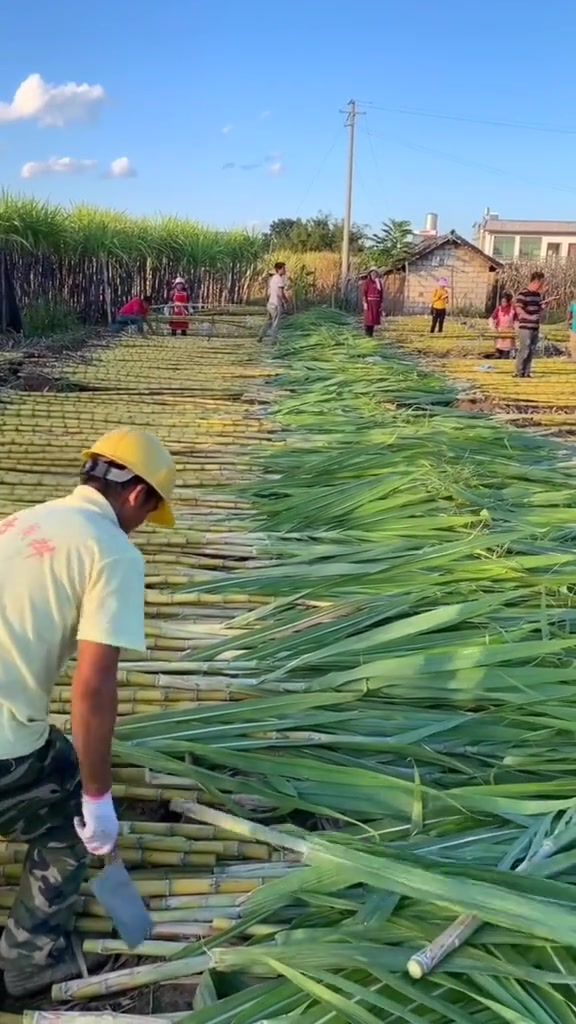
<point>147,457</point>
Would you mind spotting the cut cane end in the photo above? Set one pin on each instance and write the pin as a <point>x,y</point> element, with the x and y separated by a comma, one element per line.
<point>415,969</point>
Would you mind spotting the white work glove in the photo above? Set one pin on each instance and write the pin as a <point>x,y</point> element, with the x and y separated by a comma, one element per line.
<point>98,827</point>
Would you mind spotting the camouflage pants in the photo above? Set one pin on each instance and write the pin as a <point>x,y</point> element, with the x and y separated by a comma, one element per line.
<point>40,794</point>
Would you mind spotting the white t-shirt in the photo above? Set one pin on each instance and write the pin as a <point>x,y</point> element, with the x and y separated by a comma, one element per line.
<point>276,286</point>
<point>67,572</point>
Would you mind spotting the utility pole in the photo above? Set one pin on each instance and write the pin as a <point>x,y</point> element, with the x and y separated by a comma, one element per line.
<point>351,114</point>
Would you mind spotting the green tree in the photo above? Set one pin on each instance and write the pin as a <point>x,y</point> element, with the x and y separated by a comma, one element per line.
<point>393,245</point>
<point>280,231</point>
<point>321,233</point>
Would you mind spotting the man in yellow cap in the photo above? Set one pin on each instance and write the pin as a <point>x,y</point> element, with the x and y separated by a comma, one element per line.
<point>69,577</point>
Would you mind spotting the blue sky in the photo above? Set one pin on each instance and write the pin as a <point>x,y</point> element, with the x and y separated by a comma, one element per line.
<point>187,89</point>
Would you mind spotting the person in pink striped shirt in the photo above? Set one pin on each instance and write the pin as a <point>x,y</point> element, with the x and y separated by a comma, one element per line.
<point>503,321</point>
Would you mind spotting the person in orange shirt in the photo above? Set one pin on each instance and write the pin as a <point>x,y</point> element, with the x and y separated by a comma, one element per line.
<point>133,314</point>
<point>439,306</point>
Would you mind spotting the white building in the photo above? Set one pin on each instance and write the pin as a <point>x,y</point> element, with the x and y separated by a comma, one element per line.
<point>526,239</point>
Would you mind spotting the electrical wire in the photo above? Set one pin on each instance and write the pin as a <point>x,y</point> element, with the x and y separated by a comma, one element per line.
<point>372,150</point>
<point>552,129</point>
<point>451,158</point>
<point>319,169</point>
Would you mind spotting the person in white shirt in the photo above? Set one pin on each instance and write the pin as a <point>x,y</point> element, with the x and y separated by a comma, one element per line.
<point>69,578</point>
<point>276,302</point>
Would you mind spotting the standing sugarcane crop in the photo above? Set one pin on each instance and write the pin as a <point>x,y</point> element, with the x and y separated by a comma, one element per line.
<point>78,579</point>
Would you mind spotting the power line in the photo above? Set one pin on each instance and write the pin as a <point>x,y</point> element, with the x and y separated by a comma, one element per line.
<point>439,116</point>
<point>372,150</point>
<point>361,186</point>
<point>319,169</point>
<point>451,158</point>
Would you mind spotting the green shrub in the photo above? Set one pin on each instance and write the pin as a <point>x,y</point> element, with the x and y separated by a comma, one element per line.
<point>43,318</point>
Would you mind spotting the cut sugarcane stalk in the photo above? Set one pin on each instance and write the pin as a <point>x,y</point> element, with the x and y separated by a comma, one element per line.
<point>453,937</point>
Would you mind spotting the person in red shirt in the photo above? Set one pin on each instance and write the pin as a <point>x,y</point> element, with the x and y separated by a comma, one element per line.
<point>133,314</point>
<point>178,301</point>
<point>372,300</point>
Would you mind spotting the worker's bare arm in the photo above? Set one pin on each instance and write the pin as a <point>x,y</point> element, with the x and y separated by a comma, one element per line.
<point>94,708</point>
<point>521,312</point>
<point>111,619</point>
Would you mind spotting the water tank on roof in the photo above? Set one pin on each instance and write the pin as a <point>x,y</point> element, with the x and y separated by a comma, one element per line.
<point>431,223</point>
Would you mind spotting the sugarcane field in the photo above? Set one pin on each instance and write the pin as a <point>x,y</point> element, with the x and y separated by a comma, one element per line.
<point>343,765</point>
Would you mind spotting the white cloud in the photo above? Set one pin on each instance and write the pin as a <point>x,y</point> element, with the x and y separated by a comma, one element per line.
<point>56,165</point>
<point>122,168</point>
<point>227,129</point>
<point>276,168</point>
<point>54,105</point>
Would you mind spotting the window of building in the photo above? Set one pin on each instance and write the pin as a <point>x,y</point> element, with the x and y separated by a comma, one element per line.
<point>553,251</point>
<point>530,247</point>
<point>503,247</point>
<point>572,250</point>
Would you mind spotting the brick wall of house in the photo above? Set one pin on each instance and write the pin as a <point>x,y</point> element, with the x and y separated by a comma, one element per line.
<point>469,279</point>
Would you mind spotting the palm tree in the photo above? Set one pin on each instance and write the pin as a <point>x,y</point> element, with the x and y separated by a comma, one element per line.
<point>393,245</point>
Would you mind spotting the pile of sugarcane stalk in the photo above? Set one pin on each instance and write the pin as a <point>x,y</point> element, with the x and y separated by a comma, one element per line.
<point>193,876</point>
<point>41,438</point>
<point>375,634</point>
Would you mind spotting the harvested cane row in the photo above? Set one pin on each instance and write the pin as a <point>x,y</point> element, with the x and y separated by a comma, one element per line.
<point>206,400</point>
<point>399,669</point>
<point>465,354</point>
<point>463,337</point>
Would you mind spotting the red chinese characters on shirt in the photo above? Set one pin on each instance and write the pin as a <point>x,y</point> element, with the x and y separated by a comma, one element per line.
<point>37,547</point>
<point>9,524</point>
<point>29,531</point>
<point>40,548</point>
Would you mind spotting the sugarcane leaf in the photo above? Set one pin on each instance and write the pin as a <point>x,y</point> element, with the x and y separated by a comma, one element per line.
<point>351,1011</point>
<point>205,994</point>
